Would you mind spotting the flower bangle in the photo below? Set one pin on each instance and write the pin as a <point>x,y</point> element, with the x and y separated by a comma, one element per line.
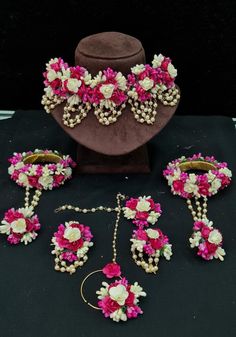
<point>39,170</point>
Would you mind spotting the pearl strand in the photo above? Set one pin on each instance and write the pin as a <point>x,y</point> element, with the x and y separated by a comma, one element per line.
<point>201,211</point>
<point>119,197</point>
<point>85,210</point>
<point>35,199</point>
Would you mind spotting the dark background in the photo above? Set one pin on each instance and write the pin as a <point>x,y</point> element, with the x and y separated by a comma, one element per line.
<point>198,35</point>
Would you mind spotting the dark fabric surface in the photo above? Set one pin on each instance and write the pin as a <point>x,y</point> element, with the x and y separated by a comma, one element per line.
<point>188,297</point>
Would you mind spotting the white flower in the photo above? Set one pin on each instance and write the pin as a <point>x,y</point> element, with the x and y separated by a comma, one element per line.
<point>26,211</point>
<point>119,294</point>
<point>46,181</point>
<point>121,80</point>
<point>32,170</point>
<point>48,91</point>
<point>73,84</point>
<point>138,69</point>
<point>175,176</point>
<point>190,186</point>
<point>138,244</point>
<point>152,218</point>
<point>147,83</point>
<point>5,227</point>
<point>215,237</point>
<point>102,293</point>
<point>97,79</point>
<point>107,90</point>
<point>152,233</point>
<point>11,169</point>
<point>73,100</point>
<point>226,172</point>
<point>46,171</point>
<point>220,253</point>
<point>157,60</point>
<point>133,94</point>
<point>87,78</point>
<point>137,290</point>
<point>118,315</point>
<point>18,226</point>
<point>215,185</point>
<point>19,165</point>
<point>143,205</point>
<point>167,252</point>
<point>23,179</point>
<point>28,237</point>
<point>171,70</point>
<point>72,234</point>
<point>51,75</point>
<point>65,75</point>
<point>129,213</point>
<point>68,172</point>
<point>194,240</point>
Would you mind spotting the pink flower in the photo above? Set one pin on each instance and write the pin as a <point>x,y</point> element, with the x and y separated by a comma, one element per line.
<point>108,306</point>
<point>142,215</point>
<point>198,225</point>
<point>112,270</point>
<point>132,203</point>
<point>140,234</point>
<point>148,249</point>
<point>69,256</point>
<point>14,238</point>
<point>12,215</point>
<point>207,250</point>
<point>58,179</point>
<point>130,299</point>
<point>178,186</point>
<point>132,312</point>
<point>205,232</point>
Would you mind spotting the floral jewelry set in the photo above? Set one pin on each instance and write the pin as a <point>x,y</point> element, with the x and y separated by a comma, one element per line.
<point>119,300</point>
<point>109,91</point>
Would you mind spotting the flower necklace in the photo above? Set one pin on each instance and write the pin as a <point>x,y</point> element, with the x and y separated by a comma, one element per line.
<point>39,170</point>
<point>119,299</point>
<point>205,237</point>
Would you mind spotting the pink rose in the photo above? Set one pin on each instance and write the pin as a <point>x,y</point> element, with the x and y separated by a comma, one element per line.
<point>140,234</point>
<point>205,232</point>
<point>178,185</point>
<point>111,270</point>
<point>108,306</point>
<point>130,299</point>
<point>132,203</point>
<point>142,215</point>
<point>198,225</point>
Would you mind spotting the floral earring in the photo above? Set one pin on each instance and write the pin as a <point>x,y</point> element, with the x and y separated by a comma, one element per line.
<point>71,243</point>
<point>147,244</point>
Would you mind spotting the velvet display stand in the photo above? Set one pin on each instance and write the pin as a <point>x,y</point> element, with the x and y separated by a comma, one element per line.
<point>122,140</point>
<point>188,297</point>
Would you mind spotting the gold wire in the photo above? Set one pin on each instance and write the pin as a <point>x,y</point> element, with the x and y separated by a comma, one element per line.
<point>82,288</point>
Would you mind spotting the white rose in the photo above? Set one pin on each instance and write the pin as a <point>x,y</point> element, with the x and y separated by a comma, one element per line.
<point>18,226</point>
<point>121,81</point>
<point>215,237</point>
<point>171,70</point>
<point>226,171</point>
<point>138,69</point>
<point>129,213</point>
<point>215,185</point>
<point>72,234</point>
<point>147,83</point>
<point>51,75</point>
<point>73,84</point>
<point>152,233</point>
<point>119,294</point>
<point>157,61</point>
<point>143,205</point>
<point>107,90</point>
<point>152,218</point>
<point>23,179</point>
<point>46,181</point>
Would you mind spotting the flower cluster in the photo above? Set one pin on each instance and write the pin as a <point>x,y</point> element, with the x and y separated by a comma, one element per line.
<point>197,185</point>
<point>67,82</point>
<point>39,175</point>
<point>108,87</point>
<point>151,241</point>
<point>146,80</point>
<point>20,225</point>
<point>208,240</point>
<point>143,211</point>
<point>119,300</point>
<point>71,243</point>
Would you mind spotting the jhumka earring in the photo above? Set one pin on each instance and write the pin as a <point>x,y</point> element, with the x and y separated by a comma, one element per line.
<point>148,244</point>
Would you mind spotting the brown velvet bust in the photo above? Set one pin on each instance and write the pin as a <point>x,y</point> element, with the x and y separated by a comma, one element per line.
<point>120,52</point>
